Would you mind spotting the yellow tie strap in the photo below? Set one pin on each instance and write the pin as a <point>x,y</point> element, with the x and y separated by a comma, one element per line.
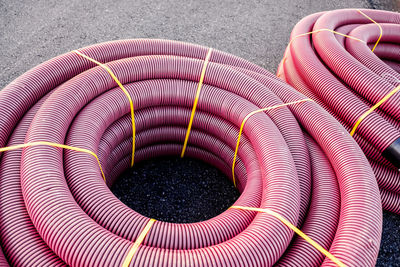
<point>296,230</point>
<point>335,32</point>
<point>325,30</point>
<point>244,121</point>
<point>137,243</point>
<point>203,72</point>
<point>365,114</point>
<point>308,33</point>
<point>380,28</point>
<point>45,143</point>
<point>104,66</point>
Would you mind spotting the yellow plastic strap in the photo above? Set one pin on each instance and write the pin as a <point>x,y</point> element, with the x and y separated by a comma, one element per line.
<point>104,66</point>
<point>137,243</point>
<point>339,33</point>
<point>244,121</point>
<point>296,230</point>
<point>308,33</point>
<point>40,143</point>
<point>363,116</point>
<point>380,28</point>
<point>203,72</point>
<point>326,30</point>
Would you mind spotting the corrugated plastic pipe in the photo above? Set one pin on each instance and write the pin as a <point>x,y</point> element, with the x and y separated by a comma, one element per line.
<point>347,78</point>
<point>298,161</point>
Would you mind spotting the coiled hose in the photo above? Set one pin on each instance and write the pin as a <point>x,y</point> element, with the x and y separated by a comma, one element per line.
<point>343,75</point>
<point>298,161</point>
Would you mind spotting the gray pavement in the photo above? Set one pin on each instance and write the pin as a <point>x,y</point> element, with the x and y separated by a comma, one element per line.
<point>34,31</point>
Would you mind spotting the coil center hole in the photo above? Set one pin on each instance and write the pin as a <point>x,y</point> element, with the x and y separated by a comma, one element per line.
<point>175,190</point>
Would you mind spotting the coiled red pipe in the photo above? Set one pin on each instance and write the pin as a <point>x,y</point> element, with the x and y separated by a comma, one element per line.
<point>297,161</point>
<point>345,77</point>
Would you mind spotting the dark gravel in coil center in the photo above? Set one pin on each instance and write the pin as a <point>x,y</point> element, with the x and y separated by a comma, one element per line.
<point>175,190</point>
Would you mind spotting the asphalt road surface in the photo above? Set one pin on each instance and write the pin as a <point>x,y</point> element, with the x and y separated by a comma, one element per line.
<point>34,31</point>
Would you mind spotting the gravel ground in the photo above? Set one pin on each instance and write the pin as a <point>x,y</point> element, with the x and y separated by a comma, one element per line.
<point>176,190</point>
<point>34,31</point>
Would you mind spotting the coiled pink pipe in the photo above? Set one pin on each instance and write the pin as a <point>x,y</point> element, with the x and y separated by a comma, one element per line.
<point>297,161</point>
<point>345,77</point>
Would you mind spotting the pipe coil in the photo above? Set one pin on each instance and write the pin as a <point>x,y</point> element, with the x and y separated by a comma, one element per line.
<point>298,161</point>
<point>347,78</point>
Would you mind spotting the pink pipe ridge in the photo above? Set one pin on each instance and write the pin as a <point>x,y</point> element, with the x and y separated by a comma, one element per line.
<point>345,77</point>
<point>298,161</point>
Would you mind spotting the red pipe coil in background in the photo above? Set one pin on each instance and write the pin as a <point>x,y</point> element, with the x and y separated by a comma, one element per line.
<point>297,161</point>
<point>345,77</point>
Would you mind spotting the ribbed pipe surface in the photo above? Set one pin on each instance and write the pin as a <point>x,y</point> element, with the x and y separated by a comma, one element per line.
<point>297,161</point>
<point>345,77</point>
